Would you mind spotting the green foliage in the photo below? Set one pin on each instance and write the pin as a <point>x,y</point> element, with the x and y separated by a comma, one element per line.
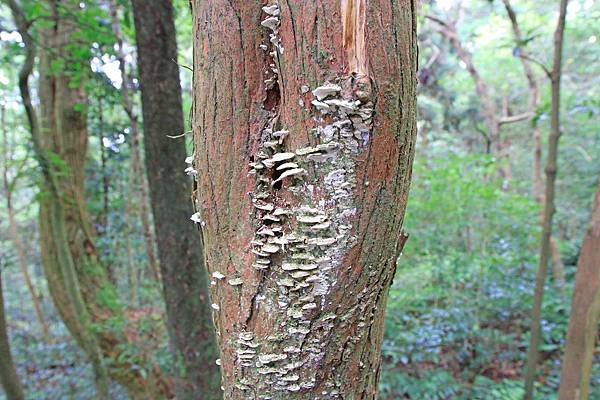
<point>458,310</point>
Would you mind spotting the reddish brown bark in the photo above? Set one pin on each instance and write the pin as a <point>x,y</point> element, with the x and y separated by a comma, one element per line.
<point>585,312</point>
<point>301,194</point>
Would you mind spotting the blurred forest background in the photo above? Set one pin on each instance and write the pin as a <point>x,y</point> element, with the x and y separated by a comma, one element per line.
<point>459,311</point>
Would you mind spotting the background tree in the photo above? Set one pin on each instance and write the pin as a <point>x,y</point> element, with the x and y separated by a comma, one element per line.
<point>576,372</point>
<point>304,136</point>
<point>180,253</point>
<point>8,373</point>
<point>76,277</point>
<point>549,207</point>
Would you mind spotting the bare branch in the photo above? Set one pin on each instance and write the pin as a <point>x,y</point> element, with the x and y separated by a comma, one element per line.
<point>515,118</point>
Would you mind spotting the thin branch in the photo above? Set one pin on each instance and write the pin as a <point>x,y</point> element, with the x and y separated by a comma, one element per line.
<point>538,63</point>
<point>515,118</point>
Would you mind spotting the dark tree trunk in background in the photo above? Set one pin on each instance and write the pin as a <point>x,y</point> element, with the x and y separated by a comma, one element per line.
<point>179,247</point>
<point>585,311</point>
<point>304,130</point>
<point>8,373</point>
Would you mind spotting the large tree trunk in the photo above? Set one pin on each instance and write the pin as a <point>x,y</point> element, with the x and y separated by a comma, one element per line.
<point>140,181</point>
<point>76,278</point>
<point>8,373</point>
<point>179,250</point>
<point>301,195</point>
<point>585,312</point>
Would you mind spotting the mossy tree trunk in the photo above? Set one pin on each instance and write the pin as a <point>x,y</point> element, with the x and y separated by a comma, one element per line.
<point>77,280</point>
<point>179,250</point>
<point>585,312</point>
<point>304,131</point>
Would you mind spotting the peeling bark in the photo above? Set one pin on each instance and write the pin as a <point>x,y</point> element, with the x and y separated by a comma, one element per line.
<point>304,130</point>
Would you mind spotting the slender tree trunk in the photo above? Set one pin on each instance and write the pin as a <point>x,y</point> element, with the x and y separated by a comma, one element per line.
<point>76,278</point>
<point>549,207</point>
<point>585,312</point>
<point>8,373</point>
<point>532,105</point>
<point>304,132</point>
<point>14,232</point>
<point>139,173</point>
<point>180,252</point>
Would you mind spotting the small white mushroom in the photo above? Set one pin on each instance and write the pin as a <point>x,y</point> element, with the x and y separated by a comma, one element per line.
<point>271,248</point>
<point>306,150</point>
<point>196,218</point>
<point>189,160</point>
<point>260,253</point>
<point>326,90</point>
<point>320,105</point>
<point>218,361</point>
<point>264,207</point>
<point>311,219</point>
<point>299,274</point>
<point>271,10</point>
<point>293,388</point>
<point>218,275</point>
<point>264,231</point>
<point>289,172</point>
<point>279,157</point>
<point>307,267</point>
<point>344,105</point>
<point>309,306</point>
<point>289,266</point>
<point>270,358</point>
<point>191,171</point>
<point>271,217</point>
<point>322,241</point>
<point>272,23</point>
<point>215,307</point>
<point>236,282</point>
<point>287,165</point>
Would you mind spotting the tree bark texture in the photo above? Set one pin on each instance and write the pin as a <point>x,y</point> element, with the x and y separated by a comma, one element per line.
<point>304,131</point>
<point>585,312</point>
<point>8,373</point>
<point>180,253</point>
